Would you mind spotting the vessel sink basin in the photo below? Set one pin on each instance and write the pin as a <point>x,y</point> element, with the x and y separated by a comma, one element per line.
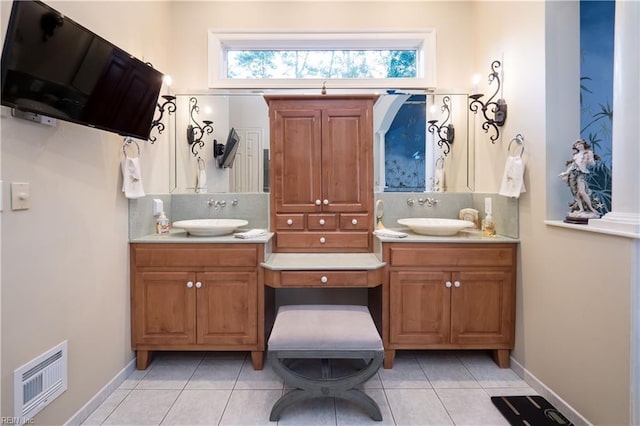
<point>210,227</point>
<point>435,226</point>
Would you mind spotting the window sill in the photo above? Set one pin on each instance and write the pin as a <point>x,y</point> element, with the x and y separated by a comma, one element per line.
<point>588,228</point>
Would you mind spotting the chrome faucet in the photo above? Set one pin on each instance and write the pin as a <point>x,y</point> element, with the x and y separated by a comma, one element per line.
<point>429,201</point>
<point>217,204</point>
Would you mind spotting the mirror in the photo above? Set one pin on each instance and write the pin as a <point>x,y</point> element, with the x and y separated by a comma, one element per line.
<point>407,155</point>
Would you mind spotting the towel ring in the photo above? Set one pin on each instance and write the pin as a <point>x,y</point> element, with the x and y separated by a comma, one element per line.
<point>519,139</point>
<point>127,142</point>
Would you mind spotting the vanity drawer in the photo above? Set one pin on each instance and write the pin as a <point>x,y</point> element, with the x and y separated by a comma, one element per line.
<point>318,222</point>
<point>322,240</point>
<point>452,255</point>
<point>192,255</point>
<point>323,279</point>
<point>355,221</point>
<point>290,221</point>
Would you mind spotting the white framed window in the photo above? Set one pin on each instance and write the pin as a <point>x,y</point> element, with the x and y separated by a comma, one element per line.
<point>420,45</point>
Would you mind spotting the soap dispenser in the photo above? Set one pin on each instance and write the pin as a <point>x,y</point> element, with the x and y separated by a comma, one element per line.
<point>379,214</point>
<point>162,224</point>
<point>488,224</point>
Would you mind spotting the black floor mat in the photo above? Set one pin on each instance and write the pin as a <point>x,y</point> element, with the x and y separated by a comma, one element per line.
<point>529,411</point>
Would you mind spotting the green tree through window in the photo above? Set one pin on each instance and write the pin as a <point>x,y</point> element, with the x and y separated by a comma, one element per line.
<point>301,64</point>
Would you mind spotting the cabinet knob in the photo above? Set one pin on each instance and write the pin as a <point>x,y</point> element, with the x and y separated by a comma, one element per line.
<point>324,279</point>
<point>318,202</point>
<point>322,222</point>
<point>325,202</point>
<point>354,222</point>
<point>456,284</point>
<point>448,284</point>
<point>289,222</point>
<point>190,284</point>
<point>198,284</point>
<point>323,240</point>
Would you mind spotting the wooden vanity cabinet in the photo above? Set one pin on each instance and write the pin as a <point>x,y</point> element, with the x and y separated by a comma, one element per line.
<point>321,172</point>
<point>197,297</point>
<point>450,296</point>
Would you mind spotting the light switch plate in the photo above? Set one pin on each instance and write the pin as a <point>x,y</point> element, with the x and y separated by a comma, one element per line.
<point>20,196</point>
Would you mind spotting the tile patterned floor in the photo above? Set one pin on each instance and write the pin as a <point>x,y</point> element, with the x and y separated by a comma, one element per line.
<point>196,388</point>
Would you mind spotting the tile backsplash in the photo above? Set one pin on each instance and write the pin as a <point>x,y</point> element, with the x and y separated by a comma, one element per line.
<point>449,204</point>
<point>254,207</point>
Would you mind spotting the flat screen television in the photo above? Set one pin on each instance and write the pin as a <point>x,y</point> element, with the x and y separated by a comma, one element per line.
<point>230,150</point>
<point>55,67</point>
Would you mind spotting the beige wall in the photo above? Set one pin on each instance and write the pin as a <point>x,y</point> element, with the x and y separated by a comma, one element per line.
<point>65,260</point>
<point>573,305</point>
<point>192,20</point>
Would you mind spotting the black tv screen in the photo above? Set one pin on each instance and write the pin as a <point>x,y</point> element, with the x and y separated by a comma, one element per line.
<point>230,149</point>
<point>54,67</point>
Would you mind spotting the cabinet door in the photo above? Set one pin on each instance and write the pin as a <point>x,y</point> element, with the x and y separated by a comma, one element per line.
<point>482,308</point>
<point>227,308</point>
<point>347,157</point>
<point>295,172</point>
<point>163,308</point>
<point>419,305</point>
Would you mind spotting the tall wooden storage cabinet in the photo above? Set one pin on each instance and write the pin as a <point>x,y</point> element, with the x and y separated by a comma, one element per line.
<point>321,172</point>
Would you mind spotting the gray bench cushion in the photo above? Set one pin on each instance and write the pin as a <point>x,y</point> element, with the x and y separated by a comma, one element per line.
<point>324,327</point>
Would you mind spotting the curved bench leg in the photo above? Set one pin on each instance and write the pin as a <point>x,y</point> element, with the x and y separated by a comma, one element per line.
<point>363,400</point>
<point>290,398</point>
<point>343,387</point>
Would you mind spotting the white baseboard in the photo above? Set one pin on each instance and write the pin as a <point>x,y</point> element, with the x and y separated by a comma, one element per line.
<point>82,414</point>
<point>548,394</point>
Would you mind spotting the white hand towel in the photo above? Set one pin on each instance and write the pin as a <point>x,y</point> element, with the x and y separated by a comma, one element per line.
<point>438,176</point>
<point>201,186</point>
<point>254,233</point>
<point>132,178</point>
<point>390,233</point>
<point>513,177</point>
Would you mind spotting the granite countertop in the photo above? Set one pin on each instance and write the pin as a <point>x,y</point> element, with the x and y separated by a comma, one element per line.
<point>463,236</point>
<point>180,236</point>
<point>320,261</point>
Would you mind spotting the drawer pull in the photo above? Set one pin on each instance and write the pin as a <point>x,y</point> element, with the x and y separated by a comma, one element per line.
<point>189,284</point>
<point>289,222</point>
<point>318,202</point>
<point>323,240</point>
<point>448,284</point>
<point>354,222</point>
<point>324,279</point>
<point>325,202</point>
<point>456,284</point>
<point>198,284</point>
<point>322,222</point>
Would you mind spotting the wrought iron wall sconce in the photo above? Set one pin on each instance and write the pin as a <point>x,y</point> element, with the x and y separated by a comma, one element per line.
<point>496,108</point>
<point>445,132</point>
<point>195,132</point>
<point>170,105</point>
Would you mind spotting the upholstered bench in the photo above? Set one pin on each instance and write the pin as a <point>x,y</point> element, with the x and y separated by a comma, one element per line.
<point>326,333</point>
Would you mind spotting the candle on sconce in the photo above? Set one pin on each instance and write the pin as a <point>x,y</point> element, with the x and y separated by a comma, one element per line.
<point>476,80</point>
<point>168,81</point>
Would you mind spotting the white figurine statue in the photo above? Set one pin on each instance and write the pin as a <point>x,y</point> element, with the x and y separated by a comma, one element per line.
<point>585,203</point>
